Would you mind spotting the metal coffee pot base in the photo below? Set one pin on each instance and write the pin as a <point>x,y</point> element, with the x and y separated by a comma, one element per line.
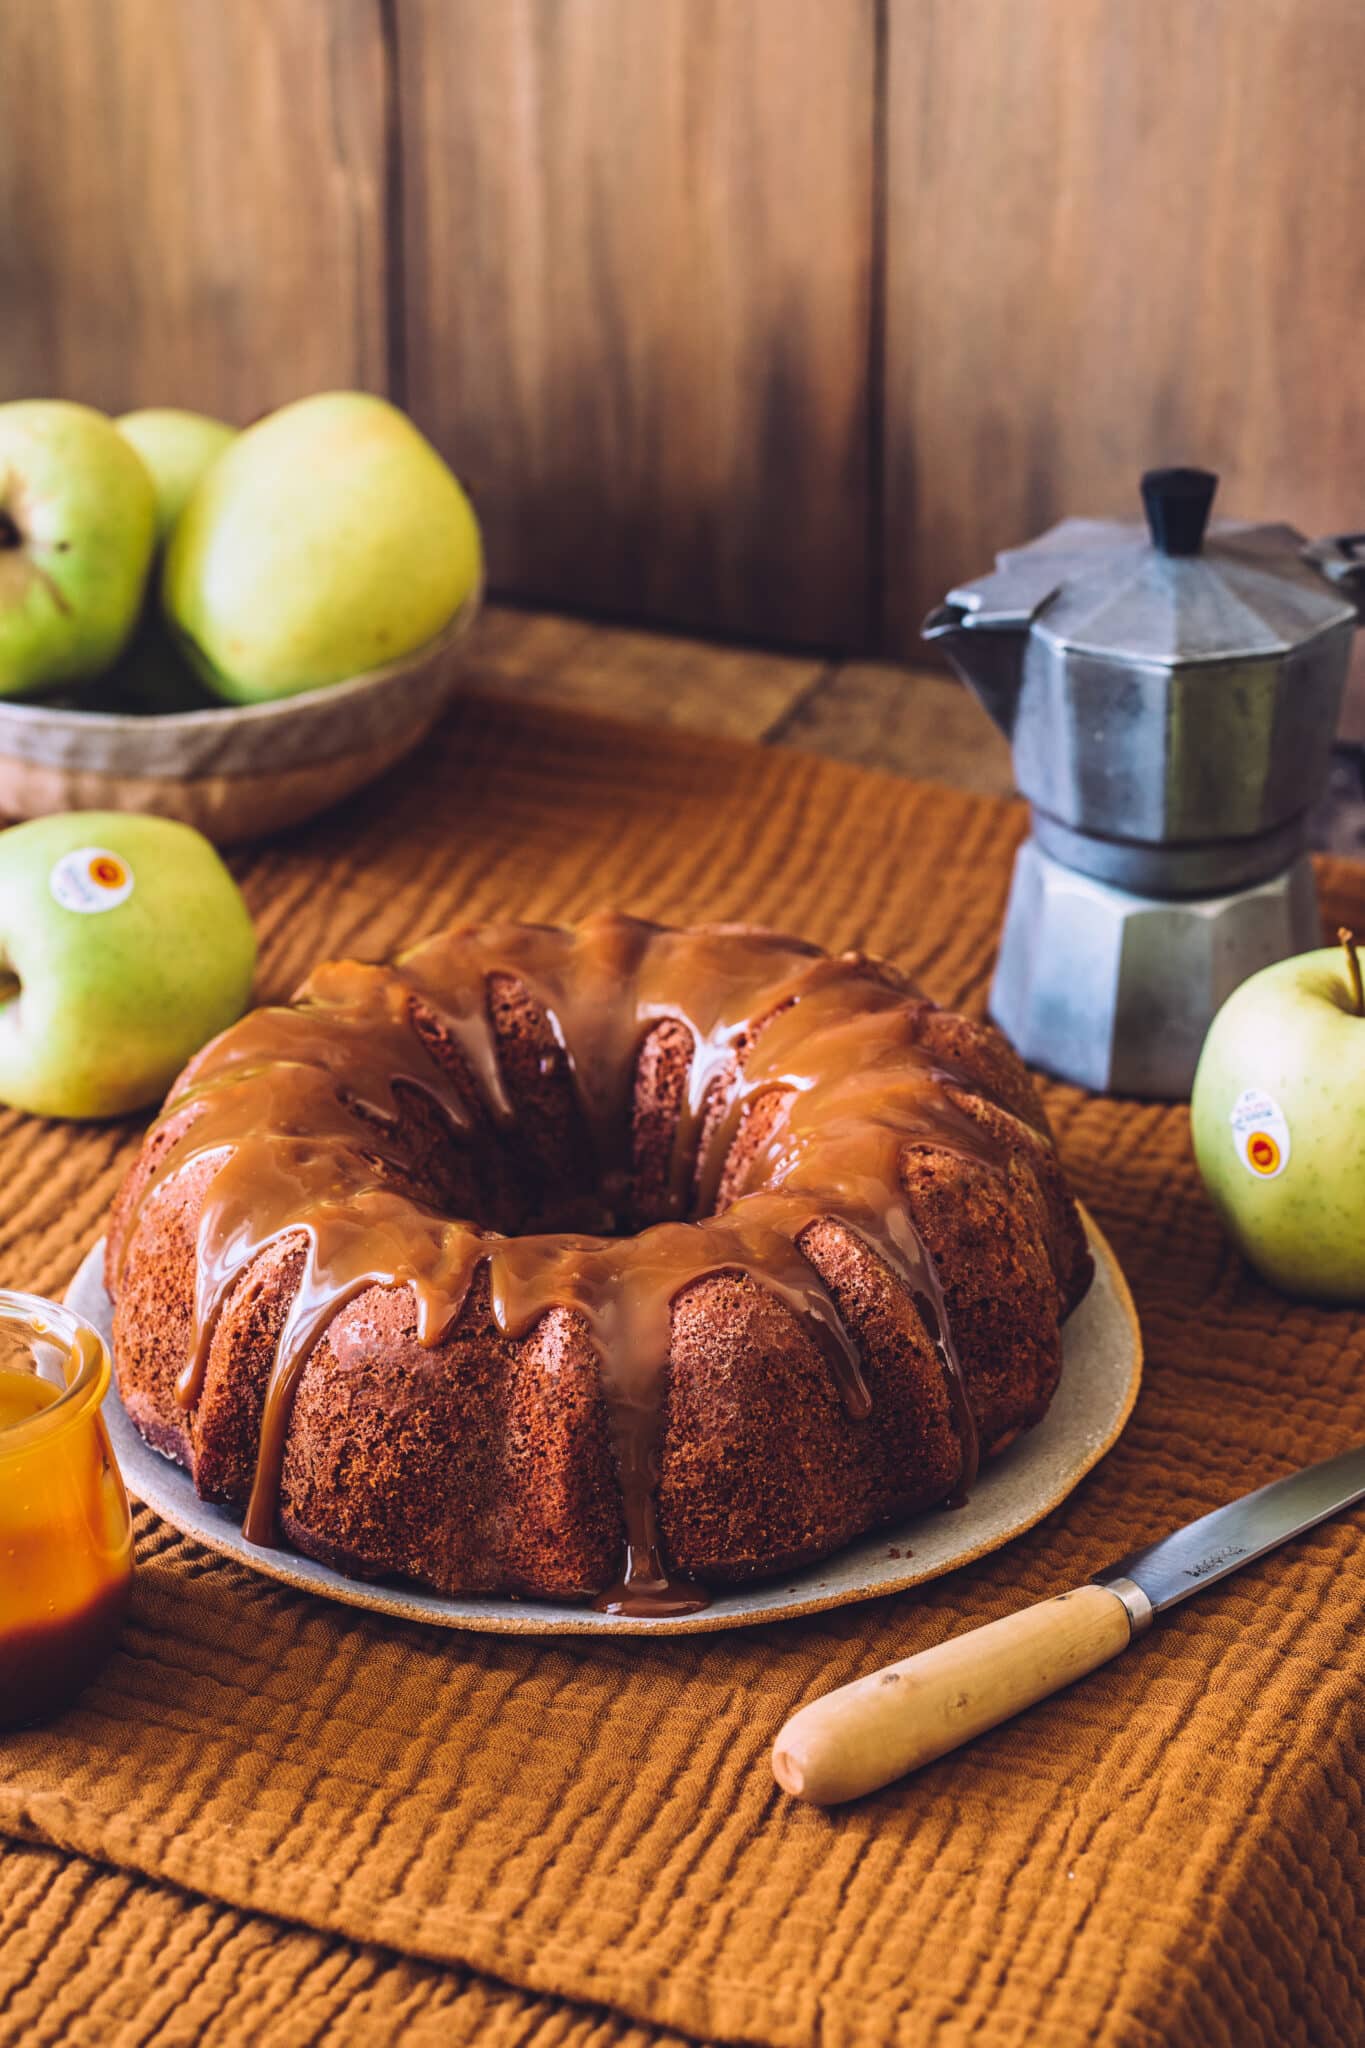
<point>1116,991</point>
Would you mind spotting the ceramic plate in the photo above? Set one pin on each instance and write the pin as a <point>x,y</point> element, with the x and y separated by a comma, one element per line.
<point>1103,1365</point>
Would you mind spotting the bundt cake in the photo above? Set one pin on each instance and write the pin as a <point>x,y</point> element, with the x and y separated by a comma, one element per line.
<point>614,1263</point>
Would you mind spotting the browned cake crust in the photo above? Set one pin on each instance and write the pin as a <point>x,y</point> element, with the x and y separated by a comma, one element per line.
<point>484,1463</point>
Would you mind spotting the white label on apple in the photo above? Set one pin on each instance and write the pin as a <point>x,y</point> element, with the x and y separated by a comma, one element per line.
<point>1260,1134</point>
<point>90,878</point>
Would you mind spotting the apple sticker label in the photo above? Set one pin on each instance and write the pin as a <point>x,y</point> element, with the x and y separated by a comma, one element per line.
<point>1260,1133</point>
<point>90,878</point>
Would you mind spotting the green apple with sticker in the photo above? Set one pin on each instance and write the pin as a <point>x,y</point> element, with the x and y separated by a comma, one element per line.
<point>124,946</point>
<point>1278,1122</point>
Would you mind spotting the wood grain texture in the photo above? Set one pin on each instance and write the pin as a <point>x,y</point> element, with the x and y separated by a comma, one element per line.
<point>638,256</point>
<point>910,721</point>
<point>1119,233</point>
<point>192,198</point>
<point>738,314</point>
<point>649,678</point>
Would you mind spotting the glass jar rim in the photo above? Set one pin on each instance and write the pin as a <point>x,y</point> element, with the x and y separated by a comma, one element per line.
<point>82,1342</point>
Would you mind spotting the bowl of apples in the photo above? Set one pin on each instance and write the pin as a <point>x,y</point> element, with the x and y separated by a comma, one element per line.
<point>234,630</point>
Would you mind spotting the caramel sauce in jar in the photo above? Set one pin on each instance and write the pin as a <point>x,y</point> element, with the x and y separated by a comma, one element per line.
<point>66,1534</point>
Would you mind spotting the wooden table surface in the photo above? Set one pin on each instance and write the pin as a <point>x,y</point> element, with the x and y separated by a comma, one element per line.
<point>918,722</point>
<point>913,721</point>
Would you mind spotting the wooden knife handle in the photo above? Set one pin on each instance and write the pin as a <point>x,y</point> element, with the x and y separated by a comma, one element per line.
<point>896,1719</point>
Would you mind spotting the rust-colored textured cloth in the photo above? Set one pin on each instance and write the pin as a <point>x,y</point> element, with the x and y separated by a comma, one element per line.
<point>274,1819</point>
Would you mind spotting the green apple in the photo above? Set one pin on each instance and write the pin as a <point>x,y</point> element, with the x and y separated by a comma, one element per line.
<point>124,946</point>
<point>77,529</point>
<point>329,539</point>
<point>176,448</point>
<point>1278,1121</point>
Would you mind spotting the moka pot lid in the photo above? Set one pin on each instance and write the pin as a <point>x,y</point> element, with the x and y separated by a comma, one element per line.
<point>1174,591</point>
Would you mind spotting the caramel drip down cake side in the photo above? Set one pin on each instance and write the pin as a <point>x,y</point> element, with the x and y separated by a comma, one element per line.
<point>691,1254</point>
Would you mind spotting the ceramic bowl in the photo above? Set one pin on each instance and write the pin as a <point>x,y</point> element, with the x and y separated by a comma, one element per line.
<point>237,771</point>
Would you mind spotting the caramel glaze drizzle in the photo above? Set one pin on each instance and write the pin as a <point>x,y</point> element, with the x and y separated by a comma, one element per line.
<point>302,1105</point>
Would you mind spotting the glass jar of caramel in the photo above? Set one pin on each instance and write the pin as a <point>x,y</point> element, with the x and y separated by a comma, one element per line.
<point>66,1534</point>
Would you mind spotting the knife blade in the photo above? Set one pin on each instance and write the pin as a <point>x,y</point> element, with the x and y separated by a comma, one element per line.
<point>1176,1566</point>
<point>865,1734</point>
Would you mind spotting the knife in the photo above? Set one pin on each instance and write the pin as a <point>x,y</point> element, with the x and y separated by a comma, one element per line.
<point>861,1737</point>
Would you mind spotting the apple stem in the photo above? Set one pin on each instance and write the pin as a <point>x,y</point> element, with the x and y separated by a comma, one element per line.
<point>1348,941</point>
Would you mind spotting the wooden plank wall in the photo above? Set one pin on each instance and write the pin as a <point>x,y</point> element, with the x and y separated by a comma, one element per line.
<point>638,292</point>
<point>771,318</point>
<point>192,201</point>
<point>1120,233</point>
